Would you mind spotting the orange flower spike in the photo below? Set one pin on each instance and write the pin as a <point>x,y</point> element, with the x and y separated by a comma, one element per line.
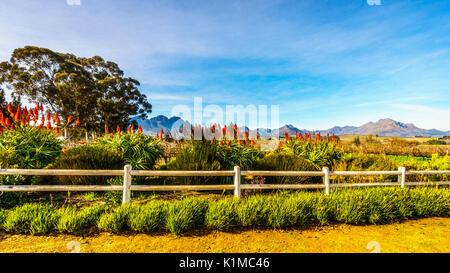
<point>229,143</point>
<point>157,135</point>
<point>69,119</point>
<point>129,129</point>
<point>25,111</point>
<point>57,130</point>
<point>77,123</point>
<point>118,129</point>
<point>140,129</point>
<point>239,142</point>
<point>161,133</point>
<point>49,125</point>
<point>18,116</point>
<point>246,136</point>
<point>7,122</point>
<point>48,115</point>
<point>221,143</point>
<point>279,145</point>
<point>57,120</point>
<point>132,128</point>
<point>252,143</point>
<point>22,122</point>
<point>107,131</point>
<point>11,110</point>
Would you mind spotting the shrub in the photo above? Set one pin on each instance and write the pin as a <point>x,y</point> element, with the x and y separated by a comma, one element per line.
<point>3,215</point>
<point>365,162</point>
<point>89,157</point>
<point>320,151</point>
<point>73,221</point>
<point>148,217</point>
<point>186,215</point>
<point>31,218</point>
<point>138,150</point>
<point>252,211</point>
<point>287,162</point>
<point>115,220</point>
<point>234,154</point>
<point>221,215</point>
<point>199,156</point>
<point>28,148</point>
<point>291,210</point>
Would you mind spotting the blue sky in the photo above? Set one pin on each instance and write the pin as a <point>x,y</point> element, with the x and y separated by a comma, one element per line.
<point>325,62</point>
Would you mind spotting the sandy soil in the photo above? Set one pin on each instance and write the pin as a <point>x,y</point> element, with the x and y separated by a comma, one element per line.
<point>425,235</point>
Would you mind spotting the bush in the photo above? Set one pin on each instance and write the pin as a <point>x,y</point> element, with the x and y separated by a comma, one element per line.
<point>320,151</point>
<point>148,217</point>
<point>73,221</point>
<point>138,150</point>
<point>221,215</point>
<point>3,215</point>
<point>186,215</point>
<point>28,148</point>
<point>365,162</point>
<point>291,210</point>
<point>31,218</point>
<point>234,154</point>
<point>197,155</point>
<point>287,162</point>
<point>88,157</point>
<point>115,220</point>
<point>252,211</point>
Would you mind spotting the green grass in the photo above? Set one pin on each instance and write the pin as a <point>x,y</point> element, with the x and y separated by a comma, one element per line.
<point>352,206</point>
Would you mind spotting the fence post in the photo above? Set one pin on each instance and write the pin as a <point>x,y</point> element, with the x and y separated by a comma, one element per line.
<point>126,184</point>
<point>402,176</point>
<point>237,181</point>
<point>326,179</point>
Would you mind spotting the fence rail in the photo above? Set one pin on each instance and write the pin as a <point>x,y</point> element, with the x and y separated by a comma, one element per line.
<point>237,187</point>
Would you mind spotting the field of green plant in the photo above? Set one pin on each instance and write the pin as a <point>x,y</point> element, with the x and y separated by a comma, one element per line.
<point>362,206</point>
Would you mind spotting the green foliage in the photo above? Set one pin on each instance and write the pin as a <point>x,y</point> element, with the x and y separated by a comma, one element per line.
<point>88,157</point>
<point>3,215</point>
<point>116,220</point>
<point>73,221</point>
<point>436,142</point>
<point>221,215</point>
<point>148,217</point>
<point>199,156</point>
<point>287,162</point>
<point>31,218</point>
<point>365,162</point>
<point>205,155</point>
<point>351,206</point>
<point>186,215</point>
<point>356,141</point>
<point>28,148</point>
<point>321,152</point>
<point>138,150</point>
<point>243,156</point>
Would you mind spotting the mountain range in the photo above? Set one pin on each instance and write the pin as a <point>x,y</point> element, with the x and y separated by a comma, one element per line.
<point>383,127</point>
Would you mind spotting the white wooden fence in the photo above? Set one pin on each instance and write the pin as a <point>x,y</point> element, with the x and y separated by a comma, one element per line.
<point>127,173</point>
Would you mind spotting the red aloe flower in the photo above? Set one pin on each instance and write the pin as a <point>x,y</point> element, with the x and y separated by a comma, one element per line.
<point>118,129</point>
<point>279,145</point>
<point>246,136</point>
<point>221,142</point>
<point>57,130</point>
<point>48,115</point>
<point>77,123</point>
<point>7,122</point>
<point>49,125</point>
<point>129,129</point>
<point>229,142</point>
<point>56,119</point>
<point>106,130</point>
<point>239,142</point>
<point>69,119</point>
<point>252,143</point>
<point>161,133</point>
<point>140,129</point>
<point>157,135</point>
<point>11,110</point>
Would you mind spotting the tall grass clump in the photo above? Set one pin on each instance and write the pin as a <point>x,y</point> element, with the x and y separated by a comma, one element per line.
<point>31,218</point>
<point>291,210</point>
<point>253,210</point>
<point>148,217</point>
<point>287,162</point>
<point>3,215</point>
<point>222,215</point>
<point>86,157</point>
<point>139,150</point>
<point>116,220</point>
<point>186,215</point>
<point>73,221</point>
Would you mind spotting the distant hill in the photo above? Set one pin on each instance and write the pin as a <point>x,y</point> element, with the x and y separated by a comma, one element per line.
<point>383,127</point>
